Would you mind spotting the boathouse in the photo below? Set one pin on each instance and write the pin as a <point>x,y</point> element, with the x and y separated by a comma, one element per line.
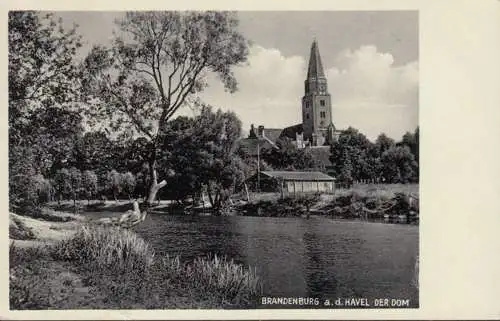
<point>291,182</point>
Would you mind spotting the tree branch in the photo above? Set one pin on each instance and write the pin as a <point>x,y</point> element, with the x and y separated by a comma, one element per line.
<point>131,115</point>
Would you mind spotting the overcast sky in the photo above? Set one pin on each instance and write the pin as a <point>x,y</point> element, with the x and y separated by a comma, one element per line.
<point>370,59</point>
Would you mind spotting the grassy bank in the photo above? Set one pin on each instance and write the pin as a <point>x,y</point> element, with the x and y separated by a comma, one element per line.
<point>106,267</point>
<point>360,201</point>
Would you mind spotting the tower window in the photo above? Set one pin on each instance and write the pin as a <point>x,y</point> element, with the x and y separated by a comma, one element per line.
<point>307,116</point>
<point>322,114</point>
<point>322,102</point>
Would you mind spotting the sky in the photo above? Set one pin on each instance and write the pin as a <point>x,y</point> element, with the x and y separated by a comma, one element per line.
<point>370,59</point>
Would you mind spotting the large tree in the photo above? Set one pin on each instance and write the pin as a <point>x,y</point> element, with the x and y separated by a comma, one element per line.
<point>399,165</point>
<point>158,61</point>
<point>201,151</point>
<point>43,84</point>
<point>350,155</point>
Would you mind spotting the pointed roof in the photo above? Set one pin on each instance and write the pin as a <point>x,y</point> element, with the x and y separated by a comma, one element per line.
<point>315,69</point>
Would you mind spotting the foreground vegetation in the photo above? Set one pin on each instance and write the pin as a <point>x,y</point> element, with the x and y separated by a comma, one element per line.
<point>106,267</point>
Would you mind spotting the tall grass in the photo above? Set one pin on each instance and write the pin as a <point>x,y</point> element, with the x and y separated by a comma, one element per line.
<point>225,278</point>
<point>123,266</point>
<point>26,278</point>
<point>382,191</point>
<point>107,247</point>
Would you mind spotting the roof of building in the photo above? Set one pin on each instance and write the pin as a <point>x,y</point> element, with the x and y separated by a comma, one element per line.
<point>291,131</point>
<point>298,176</point>
<point>315,69</point>
<point>249,146</point>
<point>272,133</point>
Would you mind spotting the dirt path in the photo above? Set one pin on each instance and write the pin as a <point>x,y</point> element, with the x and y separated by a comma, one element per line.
<point>37,232</point>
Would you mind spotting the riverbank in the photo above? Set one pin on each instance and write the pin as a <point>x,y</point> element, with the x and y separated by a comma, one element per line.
<point>63,265</point>
<point>396,203</point>
<point>389,203</point>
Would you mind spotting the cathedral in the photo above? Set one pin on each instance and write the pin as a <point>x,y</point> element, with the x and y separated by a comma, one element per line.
<point>317,128</point>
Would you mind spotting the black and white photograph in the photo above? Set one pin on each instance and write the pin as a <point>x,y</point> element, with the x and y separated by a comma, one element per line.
<point>213,160</point>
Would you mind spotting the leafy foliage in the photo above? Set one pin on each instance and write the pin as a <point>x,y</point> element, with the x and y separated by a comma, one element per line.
<point>41,62</point>
<point>89,183</point>
<point>114,183</point>
<point>43,83</point>
<point>355,158</point>
<point>289,157</point>
<point>399,165</point>
<point>201,152</point>
<point>62,183</point>
<point>128,183</point>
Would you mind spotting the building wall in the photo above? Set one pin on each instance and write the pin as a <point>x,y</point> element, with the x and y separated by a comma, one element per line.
<point>296,187</point>
<point>322,122</point>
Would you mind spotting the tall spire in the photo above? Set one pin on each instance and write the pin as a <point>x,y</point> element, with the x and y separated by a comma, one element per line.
<point>315,67</point>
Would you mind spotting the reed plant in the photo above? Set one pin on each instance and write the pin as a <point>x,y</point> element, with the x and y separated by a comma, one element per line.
<point>106,247</point>
<point>225,278</point>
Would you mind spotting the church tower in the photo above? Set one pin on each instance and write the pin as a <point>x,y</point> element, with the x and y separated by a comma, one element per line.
<point>316,103</point>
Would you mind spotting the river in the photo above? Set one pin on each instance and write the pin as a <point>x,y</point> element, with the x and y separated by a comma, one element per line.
<point>296,257</point>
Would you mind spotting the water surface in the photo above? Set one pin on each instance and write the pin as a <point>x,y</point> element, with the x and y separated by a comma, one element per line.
<point>296,257</point>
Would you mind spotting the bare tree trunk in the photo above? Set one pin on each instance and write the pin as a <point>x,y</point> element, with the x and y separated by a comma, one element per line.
<point>246,192</point>
<point>155,186</point>
<point>209,192</point>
